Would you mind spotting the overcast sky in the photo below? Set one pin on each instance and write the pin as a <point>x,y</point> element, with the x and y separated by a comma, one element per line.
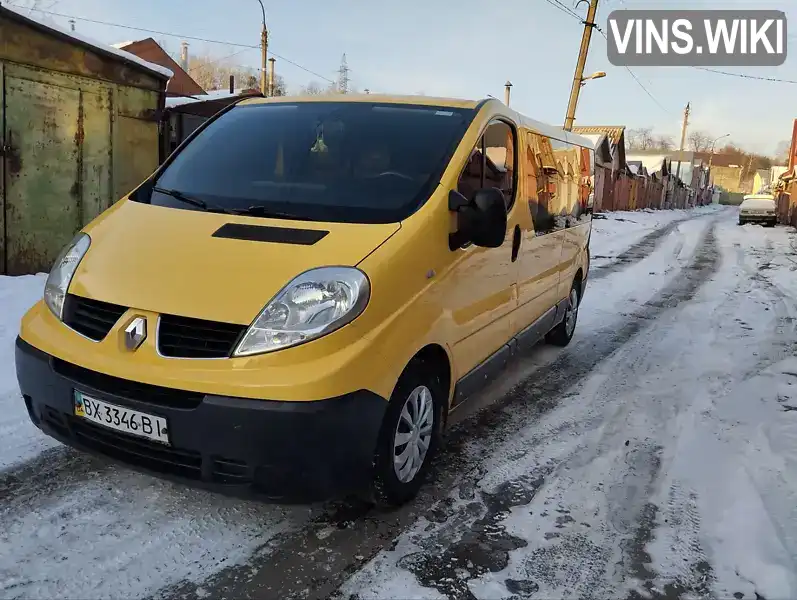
<point>469,48</point>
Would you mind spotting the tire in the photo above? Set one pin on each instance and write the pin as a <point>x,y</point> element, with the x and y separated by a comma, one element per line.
<point>563,332</point>
<point>419,385</point>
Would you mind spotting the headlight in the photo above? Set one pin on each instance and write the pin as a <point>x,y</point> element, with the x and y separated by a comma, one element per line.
<point>314,304</point>
<point>61,274</point>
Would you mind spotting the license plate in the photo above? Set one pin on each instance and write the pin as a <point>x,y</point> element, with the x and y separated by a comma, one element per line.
<point>120,418</point>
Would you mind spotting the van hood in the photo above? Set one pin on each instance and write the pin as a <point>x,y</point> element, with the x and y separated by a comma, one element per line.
<point>167,260</point>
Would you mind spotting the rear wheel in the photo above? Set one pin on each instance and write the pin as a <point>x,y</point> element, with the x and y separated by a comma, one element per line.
<point>410,435</point>
<point>563,333</point>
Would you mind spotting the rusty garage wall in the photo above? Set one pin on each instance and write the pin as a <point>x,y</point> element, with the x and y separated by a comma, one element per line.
<point>79,130</point>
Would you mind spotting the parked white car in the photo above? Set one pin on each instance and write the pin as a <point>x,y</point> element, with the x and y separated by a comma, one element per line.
<point>758,208</point>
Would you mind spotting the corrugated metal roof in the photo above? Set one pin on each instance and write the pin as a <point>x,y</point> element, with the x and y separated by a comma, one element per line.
<point>78,38</point>
<point>613,132</point>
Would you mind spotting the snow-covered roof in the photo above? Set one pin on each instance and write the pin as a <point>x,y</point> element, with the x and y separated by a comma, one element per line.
<point>595,138</point>
<point>173,101</point>
<point>211,95</point>
<point>652,162</point>
<point>123,44</point>
<point>93,44</point>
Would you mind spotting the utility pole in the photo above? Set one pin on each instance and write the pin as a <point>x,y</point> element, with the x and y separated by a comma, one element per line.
<point>578,77</point>
<point>683,140</point>
<point>263,53</point>
<point>263,61</point>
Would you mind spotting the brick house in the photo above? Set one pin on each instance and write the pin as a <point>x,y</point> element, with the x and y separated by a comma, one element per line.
<point>148,49</point>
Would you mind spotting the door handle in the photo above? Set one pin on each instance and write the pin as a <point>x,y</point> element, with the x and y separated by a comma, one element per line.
<point>516,238</point>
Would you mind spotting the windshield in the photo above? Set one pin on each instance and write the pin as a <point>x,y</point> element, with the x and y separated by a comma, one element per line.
<point>321,161</point>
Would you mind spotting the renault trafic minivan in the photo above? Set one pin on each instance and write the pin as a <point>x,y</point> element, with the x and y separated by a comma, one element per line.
<point>295,301</point>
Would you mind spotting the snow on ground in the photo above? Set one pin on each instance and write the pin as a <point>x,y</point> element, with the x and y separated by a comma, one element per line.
<point>102,531</point>
<point>615,232</point>
<point>20,440</point>
<point>669,472</point>
<point>73,526</point>
<point>661,462</point>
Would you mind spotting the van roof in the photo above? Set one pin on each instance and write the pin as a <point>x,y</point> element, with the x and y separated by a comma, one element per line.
<point>528,123</point>
<point>759,197</point>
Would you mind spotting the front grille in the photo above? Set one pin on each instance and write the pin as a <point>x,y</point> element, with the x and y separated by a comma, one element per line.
<point>140,452</point>
<point>125,388</point>
<point>92,318</point>
<point>183,337</point>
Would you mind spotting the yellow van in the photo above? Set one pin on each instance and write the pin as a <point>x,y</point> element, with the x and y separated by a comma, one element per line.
<point>295,301</point>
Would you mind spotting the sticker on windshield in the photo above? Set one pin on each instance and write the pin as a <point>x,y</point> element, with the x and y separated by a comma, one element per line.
<point>444,113</point>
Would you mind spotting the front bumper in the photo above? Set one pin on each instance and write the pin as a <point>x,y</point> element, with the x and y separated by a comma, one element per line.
<point>279,450</point>
<point>752,218</point>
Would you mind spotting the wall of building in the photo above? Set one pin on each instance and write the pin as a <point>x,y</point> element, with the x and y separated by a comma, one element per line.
<point>80,131</point>
<point>728,178</point>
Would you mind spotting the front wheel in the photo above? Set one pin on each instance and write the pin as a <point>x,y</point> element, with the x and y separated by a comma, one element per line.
<point>563,333</point>
<point>410,435</point>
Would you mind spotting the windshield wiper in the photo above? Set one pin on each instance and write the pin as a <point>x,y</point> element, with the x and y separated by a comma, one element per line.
<point>266,212</point>
<point>192,201</point>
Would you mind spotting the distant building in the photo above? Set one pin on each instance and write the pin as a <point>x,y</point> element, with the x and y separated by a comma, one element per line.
<point>181,83</point>
<point>614,138</point>
<point>762,181</point>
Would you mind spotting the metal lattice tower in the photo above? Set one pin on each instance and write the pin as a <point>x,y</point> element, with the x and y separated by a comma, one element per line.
<point>343,76</point>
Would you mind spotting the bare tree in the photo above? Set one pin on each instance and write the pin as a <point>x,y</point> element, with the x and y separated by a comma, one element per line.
<point>699,141</point>
<point>663,142</point>
<point>640,139</point>
<point>280,89</point>
<point>214,73</point>
<point>313,89</point>
<point>782,152</point>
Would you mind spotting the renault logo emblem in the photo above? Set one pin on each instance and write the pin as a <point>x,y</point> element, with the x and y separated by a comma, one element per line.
<point>135,333</point>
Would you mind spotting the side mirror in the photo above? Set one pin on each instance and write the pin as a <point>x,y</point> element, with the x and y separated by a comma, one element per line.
<point>482,221</point>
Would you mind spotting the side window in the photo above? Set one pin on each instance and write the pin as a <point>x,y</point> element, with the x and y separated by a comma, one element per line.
<point>545,182</point>
<point>586,188</point>
<point>492,163</point>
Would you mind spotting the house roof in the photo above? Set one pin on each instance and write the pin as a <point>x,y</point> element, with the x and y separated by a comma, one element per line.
<point>81,40</point>
<point>148,49</point>
<point>721,160</point>
<point>653,163</point>
<point>613,132</point>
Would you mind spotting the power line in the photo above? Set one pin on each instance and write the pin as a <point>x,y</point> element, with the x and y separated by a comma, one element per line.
<point>184,37</point>
<point>218,60</point>
<point>652,97</point>
<point>644,89</point>
<point>744,76</point>
<point>568,9</point>
<point>559,6</point>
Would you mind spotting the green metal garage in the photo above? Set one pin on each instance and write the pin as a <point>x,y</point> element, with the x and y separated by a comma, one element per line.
<point>78,130</point>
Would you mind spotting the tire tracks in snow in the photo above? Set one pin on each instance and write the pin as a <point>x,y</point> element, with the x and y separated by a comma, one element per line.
<point>638,251</point>
<point>314,562</point>
<point>317,559</point>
